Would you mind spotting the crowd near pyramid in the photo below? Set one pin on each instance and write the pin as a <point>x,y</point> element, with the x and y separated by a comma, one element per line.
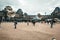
<point>9,15</point>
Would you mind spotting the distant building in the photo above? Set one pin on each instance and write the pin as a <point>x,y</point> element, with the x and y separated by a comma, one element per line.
<point>1,13</point>
<point>56,13</point>
<point>30,16</point>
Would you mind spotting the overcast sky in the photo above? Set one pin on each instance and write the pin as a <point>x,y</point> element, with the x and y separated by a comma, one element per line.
<point>32,6</point>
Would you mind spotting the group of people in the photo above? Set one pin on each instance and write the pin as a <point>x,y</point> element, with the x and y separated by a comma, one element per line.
<point>15,23</point>
<point>52,22</point>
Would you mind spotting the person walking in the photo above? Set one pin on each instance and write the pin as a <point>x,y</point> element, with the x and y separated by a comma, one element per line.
<point>33,23</point>
<point>27,23</point>
<point>0,21</point>
<point>15,23</point>
<point>52,21</point>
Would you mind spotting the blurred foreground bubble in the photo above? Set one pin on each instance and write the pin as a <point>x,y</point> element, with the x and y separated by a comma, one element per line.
<point>53,38</point>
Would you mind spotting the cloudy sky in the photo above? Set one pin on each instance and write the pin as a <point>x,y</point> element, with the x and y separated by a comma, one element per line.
<point>32,6</point>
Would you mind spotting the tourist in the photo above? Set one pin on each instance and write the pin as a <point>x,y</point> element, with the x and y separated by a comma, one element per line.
<point>15,23</point>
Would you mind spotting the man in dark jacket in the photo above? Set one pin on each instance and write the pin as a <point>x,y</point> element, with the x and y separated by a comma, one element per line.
<point>0,21</point>
<point>34,23</point>
<point>15,23</point>
<point>52,22</point>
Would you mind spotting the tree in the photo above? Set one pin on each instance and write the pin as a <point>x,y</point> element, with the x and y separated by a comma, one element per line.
<point>6,10</point>
<point>38,15</point>
<point>25,14</point>
<point>5,14</point>
<point>20,12</point>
